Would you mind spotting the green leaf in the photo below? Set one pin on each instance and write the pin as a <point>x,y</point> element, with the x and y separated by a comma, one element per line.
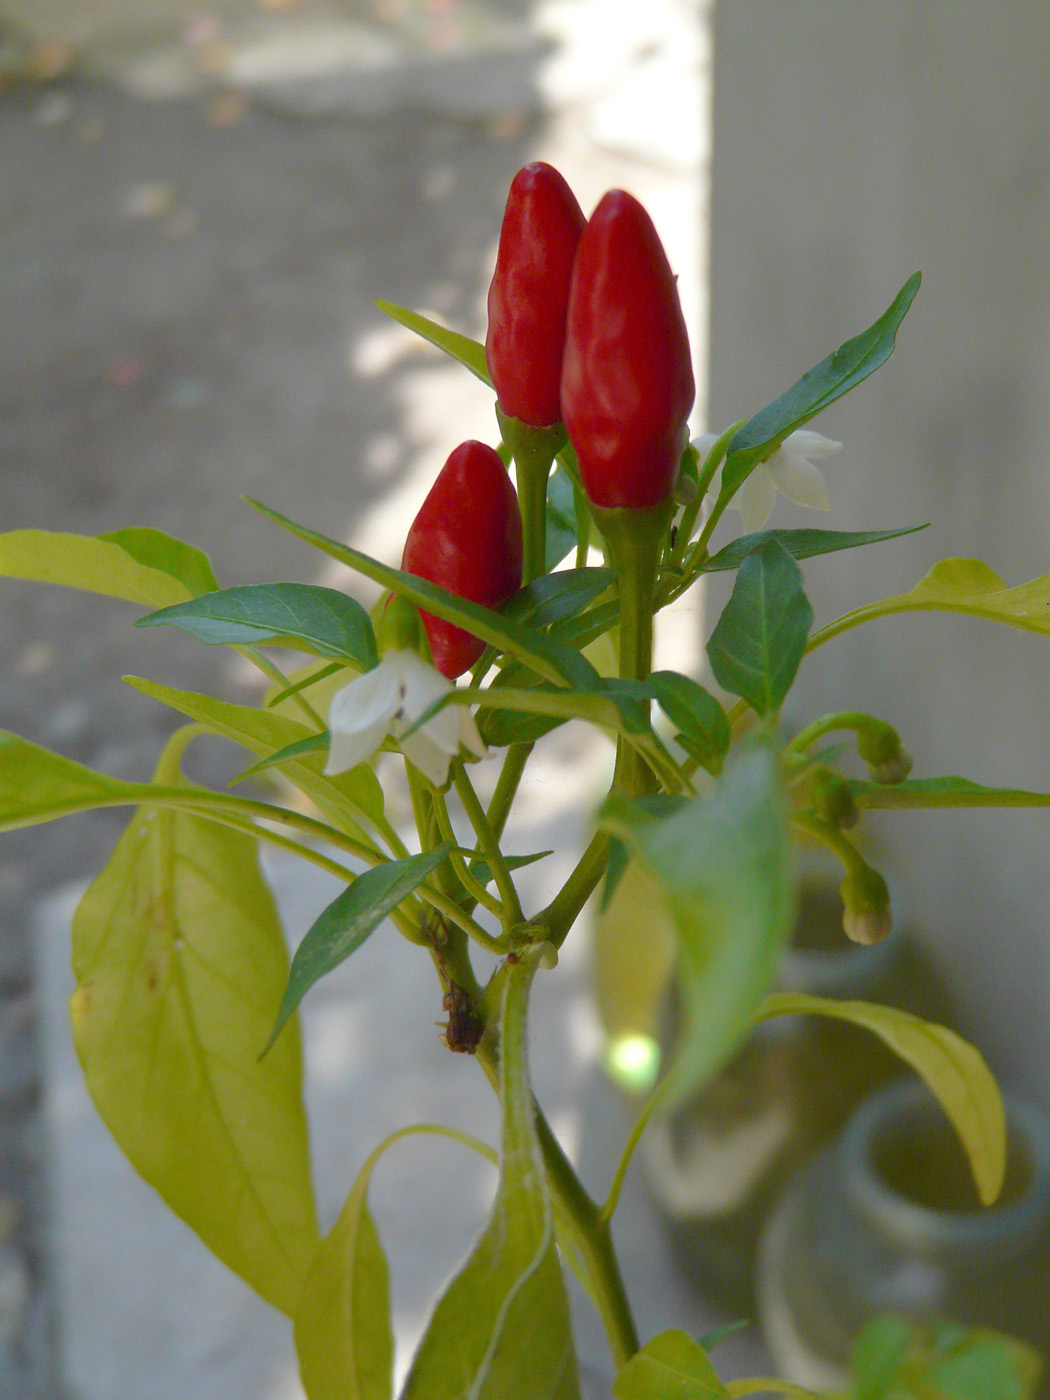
<point>157,550</point>
<point>585,627</point>
<point>468,352</point>
<point>553,597</point>
<point>952,1069</point>
<point>348,921</point>
<point>310,676</point>
<point>179,957</point>
<point>801,544</point>
<point>672,1366</point>
<point>717,1335</point>
<point>835,376</point>
<point>37,785</point>
<point>611,704</point>
<point>502,1327</point>
<point>324,621</point>
<point>483,874</point>
<point>963,586</point>
<point>898,1360</point>
<point>877,1353</point>
<point>547,656</point>
<point>942,792</point>
<point>343,1336</point>
<point>302,748</point>
<point>723,865</point>
<point>703,726</point>
<point>342,1324</point>
<point>97,565</point>
<point>987,1367</point>
<point>760,639</point>
<point>561,516</point>
<point>343,799</point>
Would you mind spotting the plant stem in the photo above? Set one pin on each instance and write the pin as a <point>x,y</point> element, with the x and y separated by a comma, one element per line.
<point>560,915</point>
<point>634,540</point>
<point>579,1219</point>
<point>511,910</point>
<point>471,887</point>
<point>507,786</point>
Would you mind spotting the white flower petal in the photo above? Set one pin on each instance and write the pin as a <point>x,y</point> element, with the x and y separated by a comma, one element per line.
<point>804,443</point>
<point>346,751</point>
<point>421,683</point>
<point>430,758</point>
<point>798,481</point>
<point>756,498</point>
<point>359,717</point>
<point>469,736</point>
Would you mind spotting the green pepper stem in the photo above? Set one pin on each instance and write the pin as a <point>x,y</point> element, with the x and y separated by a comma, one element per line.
<point>634,540</point>
<point>534,451</point>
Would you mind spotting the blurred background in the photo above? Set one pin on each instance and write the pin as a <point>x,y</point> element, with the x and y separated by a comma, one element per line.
<point>199,203</point>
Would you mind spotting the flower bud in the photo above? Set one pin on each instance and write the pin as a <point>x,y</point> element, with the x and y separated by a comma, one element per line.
<point>466,538</point>
<point>867,916</point>
<point>529,294</point>
<point>627,379</point>
<point>879,745</point>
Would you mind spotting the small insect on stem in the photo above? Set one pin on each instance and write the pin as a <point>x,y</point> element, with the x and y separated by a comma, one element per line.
<point>463,1031</point>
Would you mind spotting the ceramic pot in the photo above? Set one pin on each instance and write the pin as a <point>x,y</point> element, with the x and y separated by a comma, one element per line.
<point>888,1220</point>
<point>718,1164</point>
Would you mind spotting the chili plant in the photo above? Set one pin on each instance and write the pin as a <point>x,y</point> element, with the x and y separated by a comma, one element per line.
<point>185,1011</point>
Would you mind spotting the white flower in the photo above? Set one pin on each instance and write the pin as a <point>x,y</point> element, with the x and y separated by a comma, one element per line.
<point>388,700</point>
<point>789,470</point>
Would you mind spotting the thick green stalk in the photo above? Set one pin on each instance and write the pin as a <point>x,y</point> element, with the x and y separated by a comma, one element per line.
<point>634,540</point>
<point>580,1220</point>
<point>534,451</point>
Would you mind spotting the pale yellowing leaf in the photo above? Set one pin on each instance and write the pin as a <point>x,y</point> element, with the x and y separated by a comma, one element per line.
<point>635,944</point>
<point>342,1325</point>
<point>953,1070</point>
<point>82,561</point>
<point>179,962</point>
<point>963,586</point>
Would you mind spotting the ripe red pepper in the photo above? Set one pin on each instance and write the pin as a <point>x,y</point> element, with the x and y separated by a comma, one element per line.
<point>529,294</point>
<point>627,380</point>
<point>467,538</point>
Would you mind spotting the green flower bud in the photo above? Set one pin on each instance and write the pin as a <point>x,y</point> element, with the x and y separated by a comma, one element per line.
<point>867,917</point>
<point>879,745</point>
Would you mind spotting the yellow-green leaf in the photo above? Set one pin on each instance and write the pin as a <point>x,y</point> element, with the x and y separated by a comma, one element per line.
<point>343,798</point>
<point>953,1070</point>
<point>963,586</point>
<point>635,942</point>
<point>672,1366</point>
<point>179,961</point>
<point>37,785</point>
<point>84,561</point>
<point>342,1324</point>
<point>343,1336</point>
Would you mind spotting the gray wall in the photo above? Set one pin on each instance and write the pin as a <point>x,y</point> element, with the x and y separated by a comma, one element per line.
<point>853,145</point>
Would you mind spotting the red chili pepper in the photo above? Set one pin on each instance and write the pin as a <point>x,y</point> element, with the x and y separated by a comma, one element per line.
<point>627,381</point>
<point>529,294</point>
<point>467,538</point>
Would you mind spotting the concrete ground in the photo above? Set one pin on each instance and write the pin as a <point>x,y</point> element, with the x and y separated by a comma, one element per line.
<point>186,293</point>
